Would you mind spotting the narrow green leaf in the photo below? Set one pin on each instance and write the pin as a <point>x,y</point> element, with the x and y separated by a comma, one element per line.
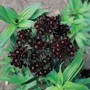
<point>82,36</point>
<point>3,14</point>
<point>80,43</point>
<point>34,32</point>
<point>6,59</point>
<point>75,6</point>
<point>71,4</point>
<point>83,81</point>
<point>5,72</point>
<point>72,68</point>
<point>13,38</point>
<point>15,79</point>
<point>53,77</point>
<point>31,80</point>
<point>74,86</point>
<point>60,75</point>
<point>8,14</point>
<point>29,11</point>
<point>86,34</point>
<point>87,42</point>
<point>6,34</point>
<point>26,24</point>
<point>12,14</point>
<point>30,86</point>
<point>52,88</point>
<point>88,20</point>
<point>38,13</point>
<point>77,71</point>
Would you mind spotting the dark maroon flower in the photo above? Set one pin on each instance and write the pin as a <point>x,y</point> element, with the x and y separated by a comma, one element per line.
<point>40,52</point>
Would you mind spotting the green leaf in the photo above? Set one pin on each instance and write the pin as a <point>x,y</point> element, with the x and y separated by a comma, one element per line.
<point>65,14</point>
<point>80,43</point>
<point>52,77</point>
<point>75,6</point>
<point>6,59</point>
<point>6,34</point>
<point>60,75</point>
<point>34,32</point>
<point>83,81</point>
<point>26,24</point>
<point>87,42</point>
<point>13,38</point>
<point>53,88</point>
<point>87,20</point>
<point>30,85</point>
<point>29,11</point>
<point>73,67</point>
<point>12,14</point>
<point>77,71</point>
<point>38,13</point>
<point>74,86</point>
<point>5,72</point>
<point>15,79</point>
<point>7,14</point>
<point>87,28</point>
<point>82,36</point>
<point>31,80</point>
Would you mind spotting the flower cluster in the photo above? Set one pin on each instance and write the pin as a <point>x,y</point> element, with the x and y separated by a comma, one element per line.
<point>40,52</point>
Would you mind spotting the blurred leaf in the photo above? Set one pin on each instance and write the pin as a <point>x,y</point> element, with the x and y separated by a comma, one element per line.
<point>60,75</point>
<point>75,6</point>
<point>12,14</point>
<point>77,71</point>
<point>2,62</point>
<point>80,43</point>
<point>38,13</point>
<point>83,81</point>
<point>52,77</point>
<point>31,80</point>
<point>29,11</point>
<point>6,34</point>
<point>87,42</point>
<point>13,38</point>
<point>29,85</point>
<point>81,36</point>
<point>74,86</point>
<point>73,67</point>
<point>26,24</point>
<point>87,28</point>
<point>6,59</point>
<point>7,14</point>
<point>87,20</point>
<point>8,48</point>
<point>15,79</point>
<point>5,72</point>
<point>34,32</point>
<point>65,14</point>
<point>53,88</point>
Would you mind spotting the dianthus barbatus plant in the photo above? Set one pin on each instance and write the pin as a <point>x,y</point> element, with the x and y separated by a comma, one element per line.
<point>50,44</point>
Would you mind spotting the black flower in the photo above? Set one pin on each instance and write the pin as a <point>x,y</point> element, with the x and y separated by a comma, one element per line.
<point>40,52</point>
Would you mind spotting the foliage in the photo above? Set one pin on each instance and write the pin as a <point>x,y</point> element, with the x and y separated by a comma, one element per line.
<point>77,15</point>
<point>24,19</point>
<point>64,80</point>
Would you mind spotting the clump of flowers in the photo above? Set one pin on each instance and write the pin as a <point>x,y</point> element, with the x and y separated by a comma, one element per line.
<point>40,52</point>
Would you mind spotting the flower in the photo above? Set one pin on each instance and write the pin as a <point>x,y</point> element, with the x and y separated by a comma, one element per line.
<point>40,52</point>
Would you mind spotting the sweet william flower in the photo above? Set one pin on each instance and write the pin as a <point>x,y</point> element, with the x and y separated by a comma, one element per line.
<point>40,52</point>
